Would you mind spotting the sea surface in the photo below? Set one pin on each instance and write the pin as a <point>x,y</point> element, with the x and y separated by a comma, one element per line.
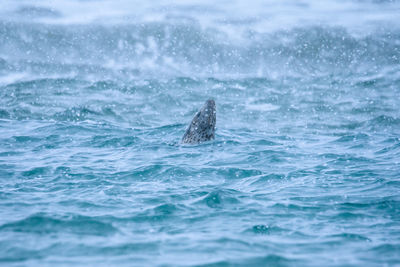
<point>96,95</point>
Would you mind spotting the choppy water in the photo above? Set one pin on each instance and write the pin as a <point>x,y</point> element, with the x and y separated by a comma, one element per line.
<point>96,95</point>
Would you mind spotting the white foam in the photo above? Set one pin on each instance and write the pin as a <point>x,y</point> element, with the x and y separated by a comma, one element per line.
<point>12,78</point>
<point>262,107</point>
<point>235,19</point>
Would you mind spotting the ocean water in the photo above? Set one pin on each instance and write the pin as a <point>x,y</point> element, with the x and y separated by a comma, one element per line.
<point>96,95</point>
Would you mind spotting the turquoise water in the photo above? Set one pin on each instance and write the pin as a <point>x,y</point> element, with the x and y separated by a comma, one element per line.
<point>96,95</point>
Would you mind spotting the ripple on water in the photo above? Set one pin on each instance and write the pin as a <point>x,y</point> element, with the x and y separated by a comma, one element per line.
<point>75,224</point>
<point>220,198</point>
<point>304,170</point>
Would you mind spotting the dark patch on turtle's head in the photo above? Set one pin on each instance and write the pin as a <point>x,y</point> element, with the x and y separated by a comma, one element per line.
<point>202,127</point>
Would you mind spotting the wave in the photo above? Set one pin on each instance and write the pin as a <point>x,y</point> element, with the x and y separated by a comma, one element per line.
<point>186,49</point>
<point>220,198</point>
<point>76,224</point>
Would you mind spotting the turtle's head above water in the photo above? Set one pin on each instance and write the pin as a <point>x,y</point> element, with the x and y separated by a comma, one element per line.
<point>202,127</point>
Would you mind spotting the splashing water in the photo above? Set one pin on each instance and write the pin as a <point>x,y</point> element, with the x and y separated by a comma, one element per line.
<point>96,95</point>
